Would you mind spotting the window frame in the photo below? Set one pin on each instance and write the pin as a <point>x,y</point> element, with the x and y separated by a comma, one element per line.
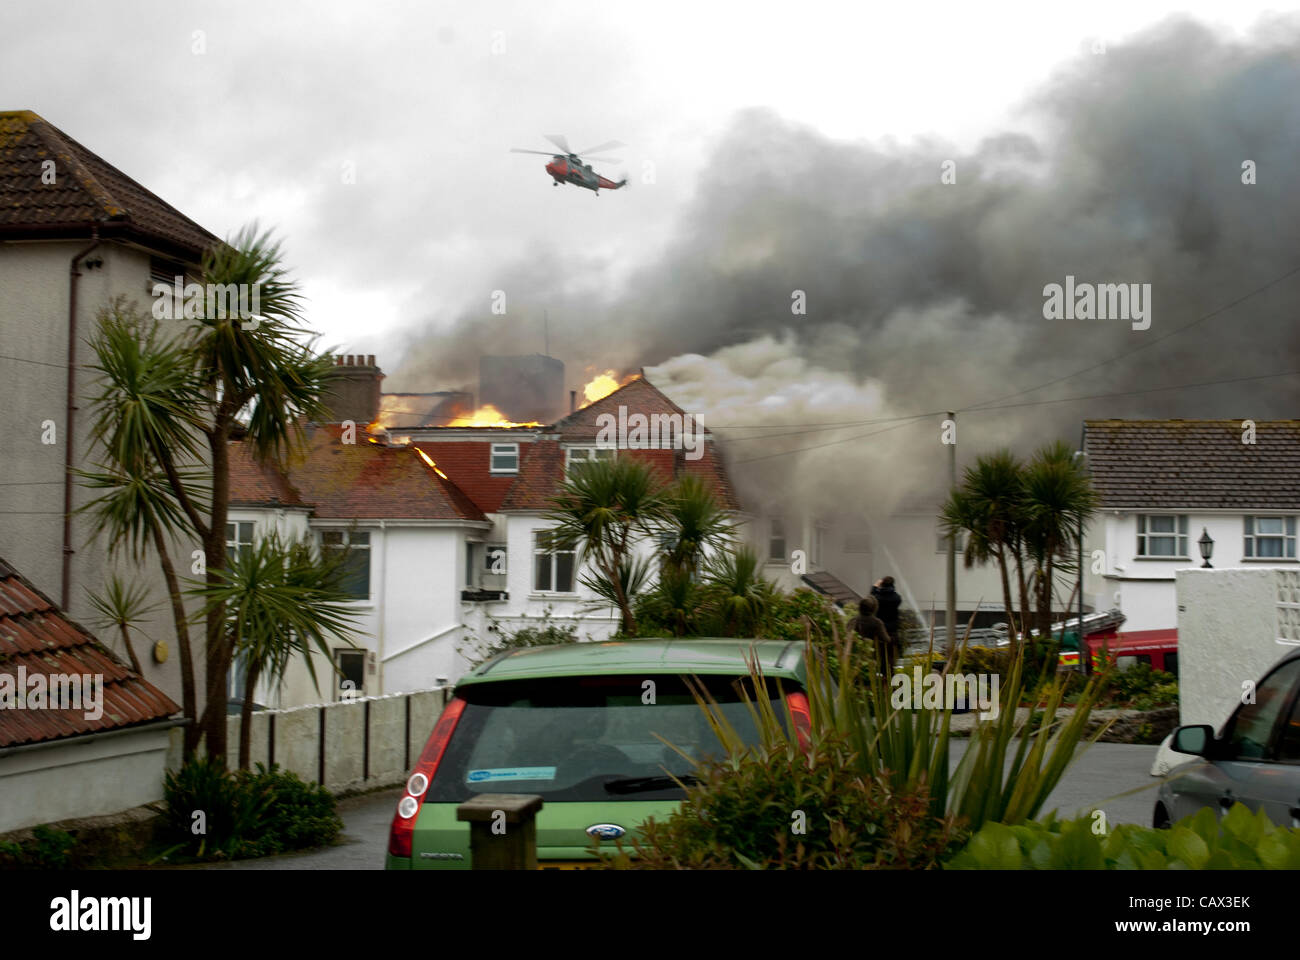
<point>775,524</point>
<point>1251,536</point>
<point>1179,535</point>
<point>1269,752</point>
<point>538,552</point>
<point>569,459</point>
<point>503,449</point>
<point>356,551</point>
<point>339,677</point>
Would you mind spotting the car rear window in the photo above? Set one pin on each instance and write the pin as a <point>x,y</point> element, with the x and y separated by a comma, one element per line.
<point>587,738</point>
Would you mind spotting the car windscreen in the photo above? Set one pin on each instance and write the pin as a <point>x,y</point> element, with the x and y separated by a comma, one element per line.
<point>588,738</point>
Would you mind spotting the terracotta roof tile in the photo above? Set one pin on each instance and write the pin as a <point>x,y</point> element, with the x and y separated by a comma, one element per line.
<point>364,480</point>
<point>87,191</point>
<point>468,464</point>
<point>1195,464</point>
<point>37,638</point>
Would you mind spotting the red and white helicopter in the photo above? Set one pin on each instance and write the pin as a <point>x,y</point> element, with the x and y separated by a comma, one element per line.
<point>567,167</point>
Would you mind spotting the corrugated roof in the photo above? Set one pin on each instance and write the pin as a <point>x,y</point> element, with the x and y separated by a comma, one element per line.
<point>1195,464</point>
<point>87,191</point>
<point>38,638</point>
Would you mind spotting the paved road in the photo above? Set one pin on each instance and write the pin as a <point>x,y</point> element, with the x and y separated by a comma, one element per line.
<point>1104,770</point>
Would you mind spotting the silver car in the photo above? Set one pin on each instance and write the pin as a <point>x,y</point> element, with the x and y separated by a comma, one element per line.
<point>1255,759</point>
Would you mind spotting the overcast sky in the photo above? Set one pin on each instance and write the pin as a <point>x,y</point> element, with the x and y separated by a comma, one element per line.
<point>237,111</point>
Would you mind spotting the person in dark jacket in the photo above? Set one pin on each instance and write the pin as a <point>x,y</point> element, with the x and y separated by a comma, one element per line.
<point>889,602</point>
<point>872,629</point>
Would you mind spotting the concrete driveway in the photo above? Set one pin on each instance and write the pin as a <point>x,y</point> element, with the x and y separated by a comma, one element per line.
<point>1106,769</point>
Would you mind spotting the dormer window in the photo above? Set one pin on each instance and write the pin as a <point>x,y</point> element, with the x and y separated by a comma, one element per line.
<point>505,458</point>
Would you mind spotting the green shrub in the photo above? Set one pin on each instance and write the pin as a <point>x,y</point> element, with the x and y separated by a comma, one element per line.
<point>244,814</point>
<point>1242,841</point>
<point>1140,680</point>
<point>48,849</point>
<point>1161,695</point>
<point>745,811</point>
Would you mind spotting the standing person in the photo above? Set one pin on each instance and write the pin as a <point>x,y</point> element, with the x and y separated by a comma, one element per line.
<point>889,602</point>
<point>872,629</point>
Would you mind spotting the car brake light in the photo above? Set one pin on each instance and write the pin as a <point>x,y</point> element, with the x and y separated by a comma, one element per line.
<point>799,712</point>
<point>402,831</point>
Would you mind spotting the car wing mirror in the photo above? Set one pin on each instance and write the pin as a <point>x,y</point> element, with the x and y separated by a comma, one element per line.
<point>1197,740</point>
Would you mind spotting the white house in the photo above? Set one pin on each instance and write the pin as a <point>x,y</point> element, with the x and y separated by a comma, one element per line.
<point>444,527</point>
<point>1166,486</point>
<point>76,233</point>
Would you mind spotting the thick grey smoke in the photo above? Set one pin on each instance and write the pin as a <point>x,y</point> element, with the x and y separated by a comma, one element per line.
<point>925,296</point>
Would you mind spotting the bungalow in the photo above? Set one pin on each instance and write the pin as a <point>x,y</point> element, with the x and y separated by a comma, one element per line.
<point>1179,494</point>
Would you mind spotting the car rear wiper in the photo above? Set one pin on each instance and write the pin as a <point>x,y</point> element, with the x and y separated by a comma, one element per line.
<point>641,784</point>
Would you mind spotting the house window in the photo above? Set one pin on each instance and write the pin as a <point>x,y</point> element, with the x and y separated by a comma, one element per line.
<point>776,539</point>
<point>1270,538</point>
<point>1162,535</point>
<point>552,569</point>
<point>239,537</point>
<point>818,538</point>
<point>505,458</point>
<point>469,565</point>
<point>585,455</point>
<point>350,673</point>
<point>494,559</point>
<point>356,580</point>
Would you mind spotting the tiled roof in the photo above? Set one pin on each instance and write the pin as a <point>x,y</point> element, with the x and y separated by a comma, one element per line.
<point>364,480</point>
<point>539,476</point>
<point>468,463</point>
<point>87,191</point>
<point>639,396</point>
<point>539,479</point>
<point>258,485</point>
<point>1195,464</point>
<point>37,638</point>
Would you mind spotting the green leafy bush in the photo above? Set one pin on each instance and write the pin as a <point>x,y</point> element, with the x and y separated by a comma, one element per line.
<point>48,849</point>
<point>1242,841</point>
<point>746,812</point>
<point>1140,680</point>
<point>244,814</point>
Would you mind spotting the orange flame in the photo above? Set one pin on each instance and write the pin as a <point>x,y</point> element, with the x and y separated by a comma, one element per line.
<point>429,460</point>
<point>603,384</point>
<point>488,416</point>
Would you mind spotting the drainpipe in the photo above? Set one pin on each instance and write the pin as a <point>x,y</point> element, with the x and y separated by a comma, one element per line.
<point>70,416</point>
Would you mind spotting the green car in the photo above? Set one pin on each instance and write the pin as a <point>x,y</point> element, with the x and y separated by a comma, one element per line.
<point>576,725</point>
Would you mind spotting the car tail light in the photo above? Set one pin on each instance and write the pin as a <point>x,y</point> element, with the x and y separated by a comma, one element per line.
<point>799,712</point>
<point>402,831</point>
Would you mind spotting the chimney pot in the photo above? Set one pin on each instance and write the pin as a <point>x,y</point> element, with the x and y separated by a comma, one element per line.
<point>573,400</point>
<point>370,360</point>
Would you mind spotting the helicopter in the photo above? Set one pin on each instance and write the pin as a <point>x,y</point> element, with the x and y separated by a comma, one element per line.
<point>567,166</point>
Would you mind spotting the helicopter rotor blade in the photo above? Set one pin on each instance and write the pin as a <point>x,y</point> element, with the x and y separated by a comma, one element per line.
<point>559,140</point>
<point>611,145</point>
<point>540,153</point>
<point>603,159</point>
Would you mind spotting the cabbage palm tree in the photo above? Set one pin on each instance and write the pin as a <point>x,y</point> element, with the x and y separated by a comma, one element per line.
<point>985,507</point>
<point>601,510</point>
<point>219,378</point>
<point>739,596</point>
<point>1057,501</point>
<point>693,522</point>
<point>281,599</point>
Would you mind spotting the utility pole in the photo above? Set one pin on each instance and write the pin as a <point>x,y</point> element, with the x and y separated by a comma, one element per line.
<point>951,613</point>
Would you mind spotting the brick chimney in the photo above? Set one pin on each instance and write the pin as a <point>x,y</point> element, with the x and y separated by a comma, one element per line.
<point>354,393</point>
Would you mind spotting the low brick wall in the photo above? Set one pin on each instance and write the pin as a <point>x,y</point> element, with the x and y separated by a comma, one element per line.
<point>348,746</point>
